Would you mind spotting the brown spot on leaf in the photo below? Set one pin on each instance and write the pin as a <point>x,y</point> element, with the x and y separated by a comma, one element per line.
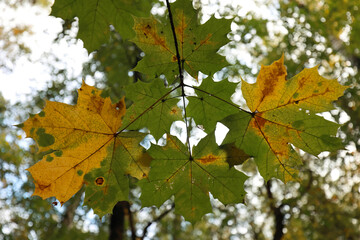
<point>180,28</point>
<point>42,187</point>
<point>150,32</point>
<point>99,181</point>
<point>301,82</point>
<point>174,111</point>
<point>260,121</point>
<point>174,58</point>
<point>206,40</point>
<point>120,105</point>
<point>271,76</point>
<point>268,90</point>
<point>279,69</point>
<point>208,159</point>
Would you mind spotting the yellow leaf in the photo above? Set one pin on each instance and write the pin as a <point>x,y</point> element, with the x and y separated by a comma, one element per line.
<point>80,138</point>
<point>283,113</point>
<point>307,89</point>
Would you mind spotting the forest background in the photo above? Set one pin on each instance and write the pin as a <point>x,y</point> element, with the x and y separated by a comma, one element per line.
<point>308,33</point>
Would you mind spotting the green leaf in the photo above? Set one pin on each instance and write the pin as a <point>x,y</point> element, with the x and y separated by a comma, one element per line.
<point>109,184</point>
<point>95,18</point>
<point>191,178</point>
<point>153,107</point>
<point>209,106</point>
<point>197,43</point>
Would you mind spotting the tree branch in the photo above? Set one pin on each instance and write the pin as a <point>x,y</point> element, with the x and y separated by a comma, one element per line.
<point>156,220</point>
<point>279,216</point>
<point>120,210</point>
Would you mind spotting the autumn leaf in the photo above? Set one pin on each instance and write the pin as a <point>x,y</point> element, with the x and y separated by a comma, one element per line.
<point>95,18</point>
<point>208,107</point>
<point>283,113</point>
<point>190,178</point>
<point>82,138</point>
<point>153,107</point>
<point>197,43</point>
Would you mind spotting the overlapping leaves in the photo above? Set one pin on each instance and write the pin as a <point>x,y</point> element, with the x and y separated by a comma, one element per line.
<point>197,43</point>
<point>95,142</point>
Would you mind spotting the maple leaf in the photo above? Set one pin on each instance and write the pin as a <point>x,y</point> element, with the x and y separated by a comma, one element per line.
<point>197,44</point>
<point>95,18</point>
<point>191,177</point>
<point>283,112</point>
<point>84,137</point>
<point>108,184</point>
<point>153,107</point>
<point>207,108</point>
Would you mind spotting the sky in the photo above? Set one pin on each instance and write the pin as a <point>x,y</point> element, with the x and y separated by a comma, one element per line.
<point>30,72</point>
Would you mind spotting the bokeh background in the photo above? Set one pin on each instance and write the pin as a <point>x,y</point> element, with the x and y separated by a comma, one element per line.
<point>41,59</point>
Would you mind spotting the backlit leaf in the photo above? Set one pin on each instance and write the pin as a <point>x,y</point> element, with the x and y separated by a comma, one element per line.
<point>197,43</point>
<point>83,137</point>
<point>95,18</point>
<point>283,113</point>
<point>207,108</point>
<point>153,107</point>
<point>190,178</point>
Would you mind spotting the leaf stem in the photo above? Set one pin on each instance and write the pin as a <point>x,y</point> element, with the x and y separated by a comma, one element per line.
<point>181,75</point>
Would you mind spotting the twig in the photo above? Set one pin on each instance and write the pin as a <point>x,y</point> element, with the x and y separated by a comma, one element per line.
<point>156,220</point>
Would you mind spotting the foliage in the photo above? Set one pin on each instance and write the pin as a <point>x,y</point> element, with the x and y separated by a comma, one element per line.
<point>95,18</point>
<point>97,143</point>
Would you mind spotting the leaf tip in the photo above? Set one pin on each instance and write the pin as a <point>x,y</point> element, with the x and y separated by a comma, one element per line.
<point>20,125</point>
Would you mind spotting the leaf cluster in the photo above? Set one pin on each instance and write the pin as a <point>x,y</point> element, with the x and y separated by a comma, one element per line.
<point>100,144</point>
